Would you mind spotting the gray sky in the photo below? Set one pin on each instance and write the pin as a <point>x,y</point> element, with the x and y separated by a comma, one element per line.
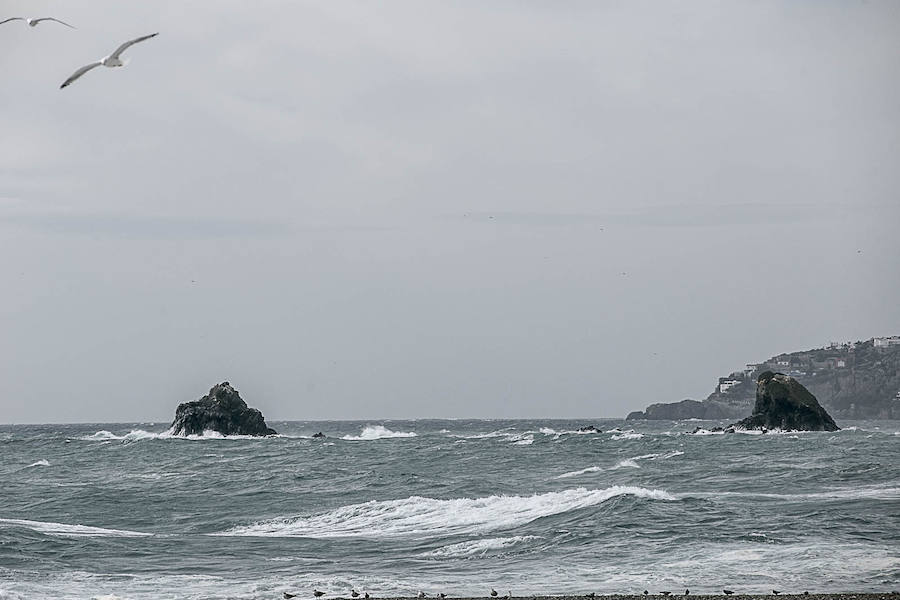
<point>438,209</point>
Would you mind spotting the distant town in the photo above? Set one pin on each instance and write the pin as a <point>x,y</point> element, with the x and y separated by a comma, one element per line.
<point>858,379</point>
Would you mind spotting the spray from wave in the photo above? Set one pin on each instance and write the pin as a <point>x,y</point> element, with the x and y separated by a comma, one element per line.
<point>424,517</point>
<point>378,432</point>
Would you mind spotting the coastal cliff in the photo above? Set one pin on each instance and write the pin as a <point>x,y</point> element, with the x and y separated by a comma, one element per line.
<point>853,380</point>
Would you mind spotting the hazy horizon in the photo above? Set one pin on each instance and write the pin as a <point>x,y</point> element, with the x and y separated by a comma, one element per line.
<point>428,210</point>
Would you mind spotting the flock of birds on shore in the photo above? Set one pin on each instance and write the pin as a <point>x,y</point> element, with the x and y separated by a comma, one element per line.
<point>494,594</point>
<point>111,60</point>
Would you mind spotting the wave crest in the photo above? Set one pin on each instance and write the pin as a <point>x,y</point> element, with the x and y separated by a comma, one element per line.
<point>66,530</point>
<point>424,517</point>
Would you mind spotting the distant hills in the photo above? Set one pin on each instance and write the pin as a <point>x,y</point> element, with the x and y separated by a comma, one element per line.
<point>852,380</point>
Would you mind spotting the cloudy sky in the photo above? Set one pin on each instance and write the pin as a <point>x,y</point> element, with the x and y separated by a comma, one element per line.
<point>438,209</point>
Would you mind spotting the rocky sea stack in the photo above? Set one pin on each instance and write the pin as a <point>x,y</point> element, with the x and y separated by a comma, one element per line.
<point>221,410</point>
<point>783,403</point>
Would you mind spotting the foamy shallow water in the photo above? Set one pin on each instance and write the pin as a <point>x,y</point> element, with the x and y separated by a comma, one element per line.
<point>129,511</point>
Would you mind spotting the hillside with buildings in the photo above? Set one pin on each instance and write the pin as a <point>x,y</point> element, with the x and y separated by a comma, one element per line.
<point>852,380</point>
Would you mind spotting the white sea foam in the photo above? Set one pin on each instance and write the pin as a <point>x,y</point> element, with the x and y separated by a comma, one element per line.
<point>424,517</point>
<point>41,463</point>
<point>378,432</point>
<point>478,547</point>
<point>66,530</point>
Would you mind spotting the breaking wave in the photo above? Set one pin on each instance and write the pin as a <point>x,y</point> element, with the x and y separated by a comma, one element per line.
<point>378,432</point>
<point>66,530</point>
<point>136,435</point>
<point>423,517</point>
<point>41,463</point>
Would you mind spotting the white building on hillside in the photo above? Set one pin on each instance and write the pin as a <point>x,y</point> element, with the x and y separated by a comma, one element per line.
<point>886,342</point>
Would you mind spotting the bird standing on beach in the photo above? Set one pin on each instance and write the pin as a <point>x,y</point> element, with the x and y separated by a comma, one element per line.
<point>287,596</point>
<point>727,592</point>
<point>776,592</point>
<point>666,593</point>
<point>113,60</point>
<point>317,593</point>
<point>687,592</point>
<point>493,593</point>
<point>441,595</point>
<point>366,596</point>
<point>34,22</point>
<point>421,595</point>
<point>354,594</point>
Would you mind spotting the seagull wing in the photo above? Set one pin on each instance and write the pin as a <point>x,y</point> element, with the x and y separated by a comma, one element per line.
<point>53,19</point>
<point>12,19</point>
<point>127,45</point>
<point>80,72</point>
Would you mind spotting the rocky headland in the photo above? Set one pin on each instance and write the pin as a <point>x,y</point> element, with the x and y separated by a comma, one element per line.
<point>852,380</point>
<point>221,410</point>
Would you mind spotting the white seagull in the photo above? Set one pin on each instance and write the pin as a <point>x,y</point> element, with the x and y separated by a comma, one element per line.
<point>34,22</point>
<point>112,60</point>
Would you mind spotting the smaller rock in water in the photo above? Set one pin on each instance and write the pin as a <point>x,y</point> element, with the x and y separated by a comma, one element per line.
<point>589,429</point>
<point>783,403</point>
<point>319,435</point>
<point>223,411</point>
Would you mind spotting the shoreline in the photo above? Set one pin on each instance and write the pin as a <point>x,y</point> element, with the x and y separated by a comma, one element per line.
<point>892,595</point>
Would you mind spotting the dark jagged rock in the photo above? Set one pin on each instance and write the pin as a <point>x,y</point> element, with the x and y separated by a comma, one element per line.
<point>319,435</point>
<point>783,403</point>
<point>589,429</point>
<point>221,410</point>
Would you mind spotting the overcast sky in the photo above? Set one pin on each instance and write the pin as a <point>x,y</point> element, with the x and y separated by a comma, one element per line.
<point>438,209</point>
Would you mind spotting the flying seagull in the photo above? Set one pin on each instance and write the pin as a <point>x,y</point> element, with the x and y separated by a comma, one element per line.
<point>34,22</point>
<point>112,60</point>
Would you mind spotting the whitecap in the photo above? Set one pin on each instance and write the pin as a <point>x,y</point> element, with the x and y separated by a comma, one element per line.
<point>478,547</point>
<point>41,463</point>
<point>625,464</point>
<point>424,517</point>
<point>378,432</point>
<point>628,435</point>
<point>66,530</point>
<point>579,472</point>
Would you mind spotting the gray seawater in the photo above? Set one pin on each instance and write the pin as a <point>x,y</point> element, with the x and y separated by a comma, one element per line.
<point>393,507</point>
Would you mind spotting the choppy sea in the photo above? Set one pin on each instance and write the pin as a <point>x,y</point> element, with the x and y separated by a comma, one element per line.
<point>393,507</point>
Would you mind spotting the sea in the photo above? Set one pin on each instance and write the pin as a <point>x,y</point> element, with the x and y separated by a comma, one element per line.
<point>128,511</point>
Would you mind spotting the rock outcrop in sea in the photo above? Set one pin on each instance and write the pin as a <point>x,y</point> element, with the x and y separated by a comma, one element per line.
<point>686,409</point>
<point>783,403</point>
<point>223,411</point>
